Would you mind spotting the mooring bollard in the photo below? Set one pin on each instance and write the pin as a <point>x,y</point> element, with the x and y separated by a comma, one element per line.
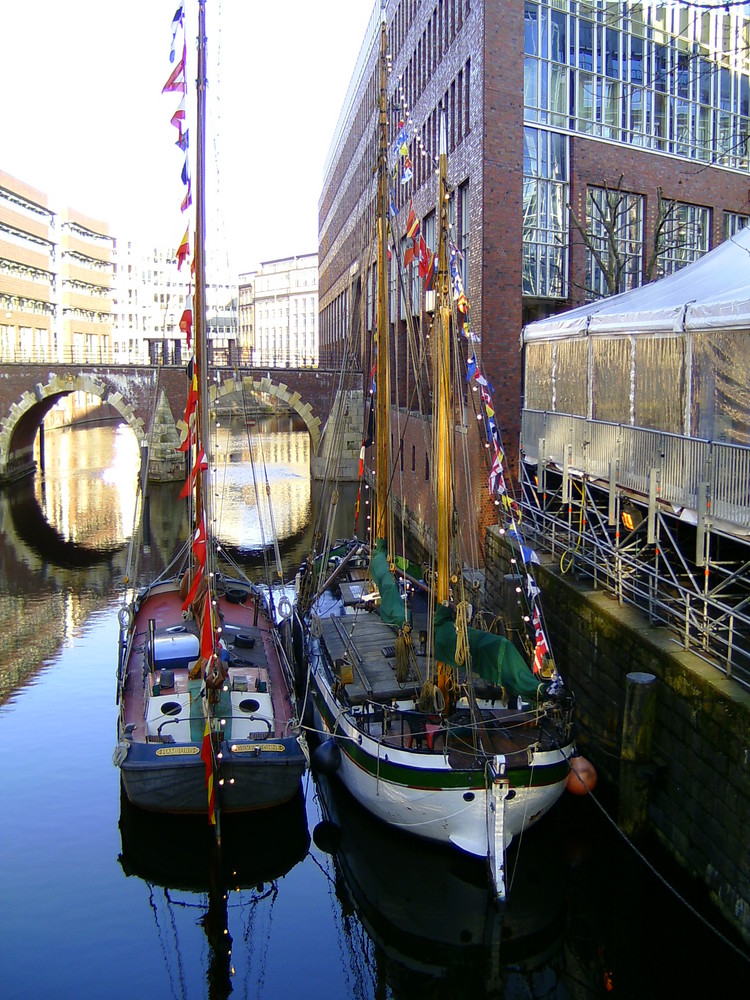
<point>635,751</point>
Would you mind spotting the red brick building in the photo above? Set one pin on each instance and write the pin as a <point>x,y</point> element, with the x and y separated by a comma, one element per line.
<point>555,110</point>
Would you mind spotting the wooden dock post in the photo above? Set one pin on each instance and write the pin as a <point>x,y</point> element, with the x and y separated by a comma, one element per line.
<point>635,751</point>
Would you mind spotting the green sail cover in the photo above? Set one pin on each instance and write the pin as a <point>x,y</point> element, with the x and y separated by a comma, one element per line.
<point>493,657</point>
<point>393,611</point>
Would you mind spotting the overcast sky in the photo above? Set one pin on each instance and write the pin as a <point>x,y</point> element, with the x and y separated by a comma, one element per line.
<point>85,121</point>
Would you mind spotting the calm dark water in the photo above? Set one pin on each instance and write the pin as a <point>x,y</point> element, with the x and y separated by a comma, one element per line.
<point>98,901</point>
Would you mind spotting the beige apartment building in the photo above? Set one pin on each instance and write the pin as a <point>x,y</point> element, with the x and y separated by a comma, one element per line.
<point>279,313</point>
<point>56,279</point>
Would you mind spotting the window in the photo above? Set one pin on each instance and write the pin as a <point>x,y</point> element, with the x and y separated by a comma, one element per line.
<point>545,217</point>
<point>614,259</point>
<point>685,236</point>
<point>733,222</point>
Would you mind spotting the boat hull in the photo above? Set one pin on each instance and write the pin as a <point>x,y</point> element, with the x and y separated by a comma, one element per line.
<point>421,793</point>
<point>176,783</point>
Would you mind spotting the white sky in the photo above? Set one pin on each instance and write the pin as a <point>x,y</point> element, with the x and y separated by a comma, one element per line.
<point>84,119</point>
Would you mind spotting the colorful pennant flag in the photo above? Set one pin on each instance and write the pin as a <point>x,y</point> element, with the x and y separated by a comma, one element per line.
<point>176,82</point>
<point>193,590</point>
<point>183,250</point>
<point>178,22</point>
<point>540,649</point>
<point>207,629</point>
<point>199,542</point>
<point>177,119</point>
<point>186,325</point>
<point>207,755</point>
<point>412,222</point>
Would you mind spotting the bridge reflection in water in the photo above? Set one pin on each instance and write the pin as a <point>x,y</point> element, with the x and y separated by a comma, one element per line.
<point>64,535</point>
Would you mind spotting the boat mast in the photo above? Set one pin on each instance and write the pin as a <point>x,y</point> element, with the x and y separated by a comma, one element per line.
<point>442,382</point>
<point>201,345</point>
<point>442,423</point>
<point>383,385</point>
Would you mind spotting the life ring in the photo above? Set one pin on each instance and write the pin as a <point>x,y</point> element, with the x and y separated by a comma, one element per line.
<point>125,617</point>
<point>285,607</point>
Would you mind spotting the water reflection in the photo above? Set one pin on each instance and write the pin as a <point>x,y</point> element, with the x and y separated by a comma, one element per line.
<point>430,925</point>
<point>64,534</point>
<point>87,489</point>
<point>84,502</point>
<point>269,461</point>
<point>227,891</point>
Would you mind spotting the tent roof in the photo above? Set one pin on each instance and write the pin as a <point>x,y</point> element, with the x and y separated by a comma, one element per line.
<point>711,294</point>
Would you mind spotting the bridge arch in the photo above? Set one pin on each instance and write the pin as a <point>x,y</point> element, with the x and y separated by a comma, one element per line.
<point>280,391</point>
<point>19,429</point>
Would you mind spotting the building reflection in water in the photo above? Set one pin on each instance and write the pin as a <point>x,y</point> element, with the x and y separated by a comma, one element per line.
<point>272,452</point>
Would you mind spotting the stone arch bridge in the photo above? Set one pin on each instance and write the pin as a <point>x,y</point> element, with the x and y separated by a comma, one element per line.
<point>150,399</point>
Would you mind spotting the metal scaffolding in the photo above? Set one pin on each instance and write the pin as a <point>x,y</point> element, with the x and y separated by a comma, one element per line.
<point>661,521</point>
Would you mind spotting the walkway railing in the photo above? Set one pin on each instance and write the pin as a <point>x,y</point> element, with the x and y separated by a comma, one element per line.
<point>686,468</point>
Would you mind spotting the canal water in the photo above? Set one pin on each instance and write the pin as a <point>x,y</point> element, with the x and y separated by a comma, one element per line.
<point>315,901</point>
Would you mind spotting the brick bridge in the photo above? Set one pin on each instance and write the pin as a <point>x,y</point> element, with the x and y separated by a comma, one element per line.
<point>150,399</point>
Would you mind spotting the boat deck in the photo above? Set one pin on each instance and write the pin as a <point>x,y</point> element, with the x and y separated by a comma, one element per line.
<point>254,663</point>
<point>366,644</point>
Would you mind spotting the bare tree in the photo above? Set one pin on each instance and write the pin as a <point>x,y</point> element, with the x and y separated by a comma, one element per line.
<point>604,234</point>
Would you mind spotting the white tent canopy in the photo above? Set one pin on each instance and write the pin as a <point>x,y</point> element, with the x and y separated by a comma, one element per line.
<point>711,294</point>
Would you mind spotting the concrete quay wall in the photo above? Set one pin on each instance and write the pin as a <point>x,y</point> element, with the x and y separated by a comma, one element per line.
<point>699,795</point>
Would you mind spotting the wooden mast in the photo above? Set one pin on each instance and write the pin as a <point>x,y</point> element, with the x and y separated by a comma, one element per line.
<point>383,374</point>
<point>442,423</point>
<point>201,346</point>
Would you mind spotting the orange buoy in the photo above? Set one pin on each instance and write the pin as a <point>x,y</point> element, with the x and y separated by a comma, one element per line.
<point>582,777</point>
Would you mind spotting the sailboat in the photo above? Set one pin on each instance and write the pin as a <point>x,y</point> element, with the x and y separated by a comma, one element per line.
<point>465,737</point>
<point>207,718</point>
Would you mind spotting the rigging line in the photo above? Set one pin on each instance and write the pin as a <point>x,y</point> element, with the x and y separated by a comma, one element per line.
<point>134,548</point>
<point>264,552</point>
<point>642,857</point>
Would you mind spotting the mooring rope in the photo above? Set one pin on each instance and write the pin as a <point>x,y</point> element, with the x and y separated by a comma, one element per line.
<point>706,923</point>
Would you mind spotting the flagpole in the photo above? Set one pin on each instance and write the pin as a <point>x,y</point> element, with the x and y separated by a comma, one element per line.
<point>201,358</point>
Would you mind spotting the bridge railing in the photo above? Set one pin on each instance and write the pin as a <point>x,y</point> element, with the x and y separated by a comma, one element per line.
<point>100,358</point>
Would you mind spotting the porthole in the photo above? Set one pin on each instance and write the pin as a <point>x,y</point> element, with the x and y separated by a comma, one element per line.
<point>171,708</point>
<point>468,796</point>
<point>249,705</point>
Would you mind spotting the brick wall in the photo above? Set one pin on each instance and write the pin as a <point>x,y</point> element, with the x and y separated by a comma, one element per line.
<point>699,805</point>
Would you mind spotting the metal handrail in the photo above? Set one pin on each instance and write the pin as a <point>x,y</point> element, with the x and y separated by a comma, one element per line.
<point>705,604</point>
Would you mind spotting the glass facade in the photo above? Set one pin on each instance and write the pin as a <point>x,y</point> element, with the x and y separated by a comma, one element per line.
<point>658,74</point>
<point>662,75</point>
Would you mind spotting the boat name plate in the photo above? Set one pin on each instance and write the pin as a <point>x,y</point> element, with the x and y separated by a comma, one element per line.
<point>255,747</point>
<point>177,751</point>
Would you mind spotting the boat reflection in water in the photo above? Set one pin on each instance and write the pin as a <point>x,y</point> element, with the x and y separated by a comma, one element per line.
<point>179,855</point>
<point>432,924</point>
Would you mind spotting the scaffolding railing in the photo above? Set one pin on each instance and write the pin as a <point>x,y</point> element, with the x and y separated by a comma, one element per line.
<point>659,520</point>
